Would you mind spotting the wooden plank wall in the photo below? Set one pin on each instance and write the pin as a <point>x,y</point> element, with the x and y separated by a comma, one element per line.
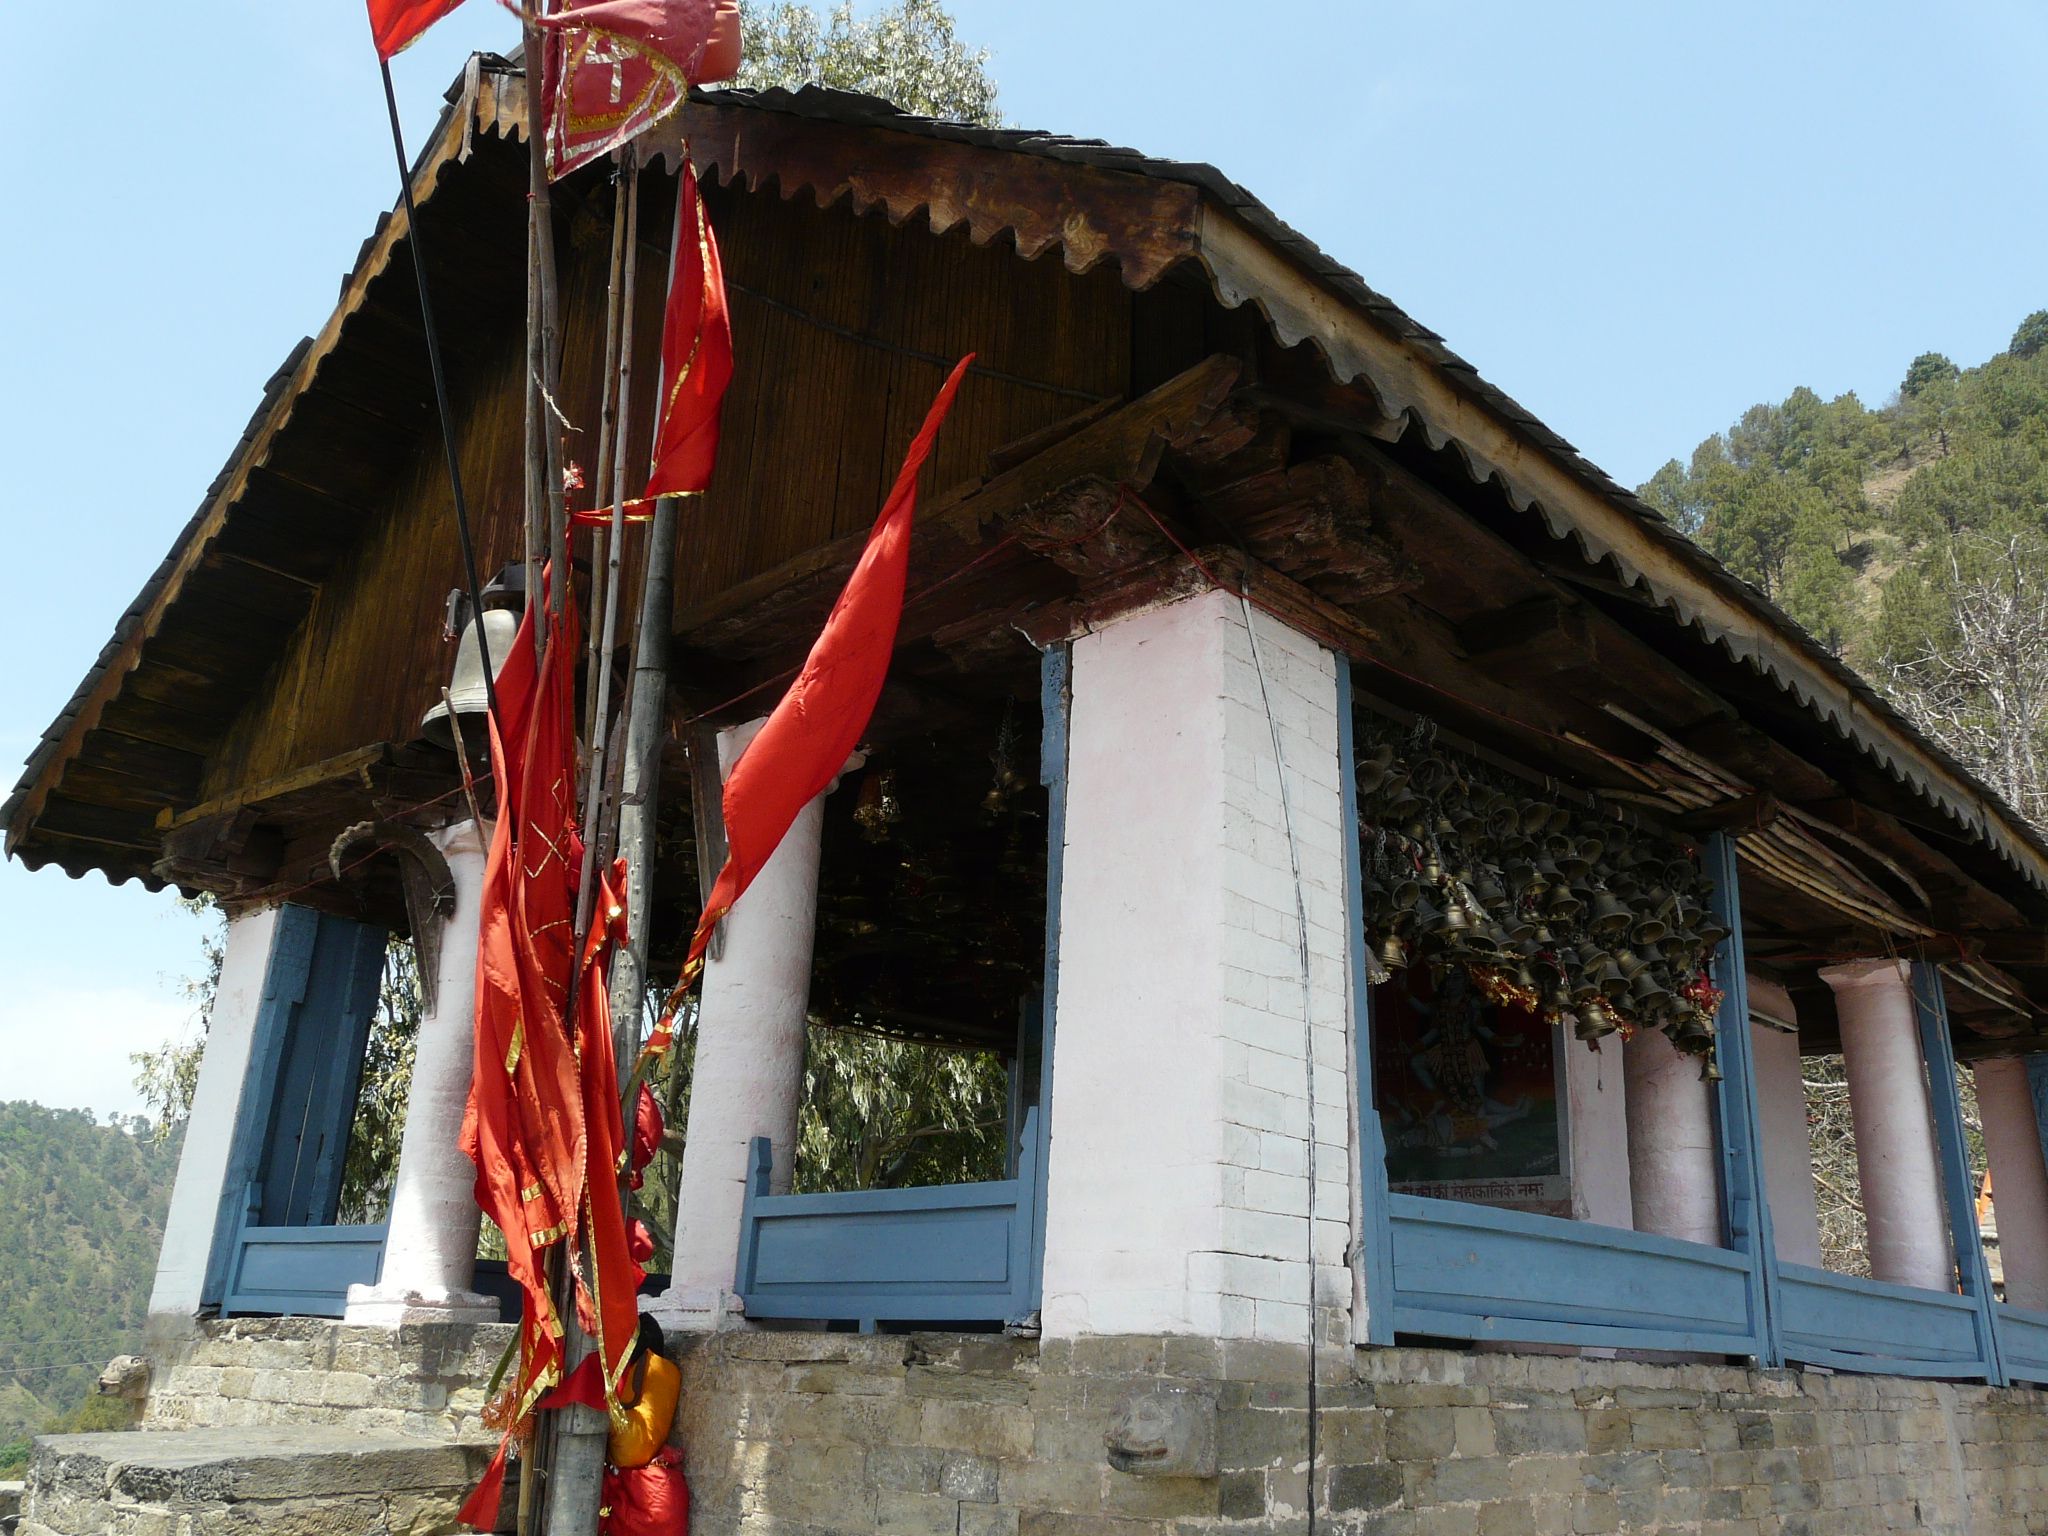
<point>830,316</point>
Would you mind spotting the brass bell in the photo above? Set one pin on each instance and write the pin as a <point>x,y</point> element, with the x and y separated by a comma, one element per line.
<point>1535,818</point>
<point>1573,863</point>
<point>468,700</point>
<point>1648,930</point>
<point>1628,962</point>
<point>1609,915</point>
<point>1711,931</point>
<point>1612,980</point>
<point>1647,992</point>
<point>1373,769</point>
<point>1563,903</point>
<point>1393,952</point>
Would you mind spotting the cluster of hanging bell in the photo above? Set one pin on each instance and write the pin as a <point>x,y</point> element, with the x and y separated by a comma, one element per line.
<point>1601,926</point>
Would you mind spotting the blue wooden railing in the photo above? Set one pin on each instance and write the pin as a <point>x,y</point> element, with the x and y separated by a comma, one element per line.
<point>951,1253</point>
<point>1475,1272</point>
<point>1454,1270</point>
<point>2022,1343</point>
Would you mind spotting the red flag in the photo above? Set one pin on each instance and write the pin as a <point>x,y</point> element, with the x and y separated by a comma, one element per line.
<point>524,1123</point>
<point>395,23</point>
<point>614,68</point>
<point>819,722</point>
<point>696,353</point>
<point>608,1288</point>
<point>696,364</point>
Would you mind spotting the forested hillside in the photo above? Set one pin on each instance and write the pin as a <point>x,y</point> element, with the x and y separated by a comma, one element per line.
<point>1911,538</point>
<point>84,1207</point>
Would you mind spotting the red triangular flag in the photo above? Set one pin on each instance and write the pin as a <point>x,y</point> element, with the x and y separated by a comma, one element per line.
<point>819,722</point>
<point>395,23</point>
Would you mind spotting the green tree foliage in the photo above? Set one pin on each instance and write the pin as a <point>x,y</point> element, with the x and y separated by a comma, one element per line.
<point>85,1203</point>
<point>1911,539</point>
<point>906,53</point>
<point>1928,371</point>
<point>2032,336</point>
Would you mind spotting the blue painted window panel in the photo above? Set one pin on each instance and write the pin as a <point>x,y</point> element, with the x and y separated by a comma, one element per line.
<point>302,1271</point>
<point>1471,1271</point>
<point>2023,1343</point>
<point>946,1253</point>
<point>1854,1323</point>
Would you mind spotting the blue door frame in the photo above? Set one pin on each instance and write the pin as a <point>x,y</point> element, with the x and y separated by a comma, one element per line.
<point>1449,1269</point>
<point>277,1247</point>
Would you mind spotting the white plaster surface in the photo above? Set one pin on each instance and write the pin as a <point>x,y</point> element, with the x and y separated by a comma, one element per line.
<point>210,1130</point>
<point>1781,1128</point>
<point>1179,1191</point>
<point>1674,1179</point>
<point>1896,1163</point>
<point>2019,1178</point>
<point>1596,1093</point>
<point>748,1075</point>
<point>430,1249</point>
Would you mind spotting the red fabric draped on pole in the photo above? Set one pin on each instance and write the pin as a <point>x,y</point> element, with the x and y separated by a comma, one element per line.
<point>614,68</point>
<point>523,1127</point>
<point>696,353</point>
<point>395,23</point>
<point>806,741</point>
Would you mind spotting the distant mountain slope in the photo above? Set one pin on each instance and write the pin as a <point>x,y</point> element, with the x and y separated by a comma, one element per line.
<point>1911,538</point>
<point>81,1215</point>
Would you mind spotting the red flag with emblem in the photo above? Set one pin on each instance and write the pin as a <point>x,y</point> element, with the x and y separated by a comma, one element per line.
<point>696,353</point>
<point>806,741</point>
<point>614,68</point>
<point>395,23</point>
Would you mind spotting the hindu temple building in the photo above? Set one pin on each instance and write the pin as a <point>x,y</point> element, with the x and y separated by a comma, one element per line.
<point>1404,880</point>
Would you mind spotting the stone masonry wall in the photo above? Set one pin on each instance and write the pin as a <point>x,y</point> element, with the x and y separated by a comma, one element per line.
<point>424,1380</point>
<point>819,1434</point>
<point>947,1435</point>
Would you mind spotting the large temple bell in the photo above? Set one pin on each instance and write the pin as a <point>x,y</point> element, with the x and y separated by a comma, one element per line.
<point>503,600</point>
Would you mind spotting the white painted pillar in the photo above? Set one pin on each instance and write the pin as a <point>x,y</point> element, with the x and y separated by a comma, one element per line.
<point>1179,1197</point>
<point>2019,1178</point>
<point>1781,1126</point>
<point>1596,1128</point>
<point>1896,1161</point>
<point>748,1075</point>
<point>194,1213</point>
<point>1674,1177</point>
<point>430,1248</point>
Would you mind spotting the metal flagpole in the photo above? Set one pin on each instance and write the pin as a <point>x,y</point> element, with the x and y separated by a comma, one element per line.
<point>419,264</point>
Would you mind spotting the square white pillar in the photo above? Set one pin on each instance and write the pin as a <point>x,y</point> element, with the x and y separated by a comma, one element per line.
<point>194,1216</point>
<point>1781,1126</point>
<point>1178,1196</point>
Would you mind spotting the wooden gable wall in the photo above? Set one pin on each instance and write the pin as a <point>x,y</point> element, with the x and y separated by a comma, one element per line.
<point>839,324</point>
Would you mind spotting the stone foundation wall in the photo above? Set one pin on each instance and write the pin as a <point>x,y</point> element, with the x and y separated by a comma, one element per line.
<point>425,1380</point>
<point>815,1434</point>
<point>809,1434</point>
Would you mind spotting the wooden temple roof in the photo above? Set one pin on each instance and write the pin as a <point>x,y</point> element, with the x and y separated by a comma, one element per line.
<point>1274,423</point>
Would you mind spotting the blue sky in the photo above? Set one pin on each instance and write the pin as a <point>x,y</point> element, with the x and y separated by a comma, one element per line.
<point>1637,218</point>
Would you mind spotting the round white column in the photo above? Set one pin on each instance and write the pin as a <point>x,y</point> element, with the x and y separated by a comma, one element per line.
<point>2019,1179</point>
<point>1597,1119</point>
<point>1674,1185</point>
<point>1896,1163</point>
<point>748,1073</point>
<point>1781,1126</point>
<point>430,1247</point>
